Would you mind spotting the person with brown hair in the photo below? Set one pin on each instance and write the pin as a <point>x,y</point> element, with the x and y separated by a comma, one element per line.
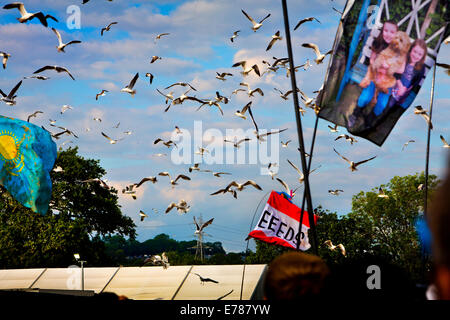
<point>295,275</point>
<point>438,218</point>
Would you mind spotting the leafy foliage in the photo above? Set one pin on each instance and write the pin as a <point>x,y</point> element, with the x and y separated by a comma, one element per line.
<point>78,215</point>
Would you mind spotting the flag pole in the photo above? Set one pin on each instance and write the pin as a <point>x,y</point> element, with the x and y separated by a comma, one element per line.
<point>299,131</point>
<point>427,160</point>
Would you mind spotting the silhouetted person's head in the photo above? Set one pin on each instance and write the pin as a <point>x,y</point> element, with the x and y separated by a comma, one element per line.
<point>439,222</point>
<point>295,275</point>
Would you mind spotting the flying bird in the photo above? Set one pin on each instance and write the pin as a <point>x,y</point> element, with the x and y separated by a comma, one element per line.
<point>235,34</point>
<point>111,141</point>
<point>237,143</point>
<point>419,110</point>
<point>173,182</point>
<point>319,55</point>
<point>26,16</point>
<point>129,88</point>
<point>241,187</point>
<point>302,176</point>
<point>444,66</point>
<point>101,94</point>
<point>332,247</point>
<point>203,280</point>
<point>183,84</point>
<point>154,58</point>
<point>240,113</point>
<point>250,92</point>
<point>333,129</point>
<point>446,145</point>
<point>160,35</point>
<point>225,295</point>
<point>246,70</point>
<point>5,57</point>
<point>353,164</point>
<point>34,114</point>
<point>275,38</point>
<point>167,143</point>
<point>150,76</point>
<point>143,180</point>
<point>37,77</point>
<point>347,138</point>
<point>284,95</point>
<point>62,45</point>
<point>9,99</point>
<point>56,68</point>
<point>335,192</point>
<point>107,28</point>
<point>65,107</point>
<point>285,144</point>
<point>221,76</point>
<point>98,180</point>
<point>181,206</point>
<point>305,20</point>
<point>406,144</point>
<point>256,25</point>
<point>381,193</point>
<point>143,215</point>
<point>199,227</point>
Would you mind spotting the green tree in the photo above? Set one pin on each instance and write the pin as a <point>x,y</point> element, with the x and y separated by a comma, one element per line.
<point>389,223</point>
<point>79,213</point>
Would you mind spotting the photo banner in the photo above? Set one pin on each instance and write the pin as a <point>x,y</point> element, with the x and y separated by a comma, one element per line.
<point>384,50</point>
<point>279,222</point>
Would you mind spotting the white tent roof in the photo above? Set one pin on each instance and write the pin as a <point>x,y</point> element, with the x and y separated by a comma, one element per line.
<point>143,283</point>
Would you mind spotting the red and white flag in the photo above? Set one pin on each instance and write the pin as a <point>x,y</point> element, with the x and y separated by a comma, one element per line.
<point>279,221</point>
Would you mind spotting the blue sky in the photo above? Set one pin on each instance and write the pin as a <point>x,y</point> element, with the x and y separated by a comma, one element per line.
<point>198,46</point>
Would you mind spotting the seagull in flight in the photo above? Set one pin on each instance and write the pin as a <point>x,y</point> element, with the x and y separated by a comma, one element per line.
<point>5,57</point>
<point>199,227</point>
<point>9,99</point>
<point>62,45</point>
<point>150,76</point>
<point>305,20</point>
<point>419,110</point>
<point>65,107</point>
<point>250,92</point>
<point>34,114</point>
<point>101,94</point>
<point>181,206</point>
<point>154,58</point>
<point>275,38</point>
<point>406,144</point>
<point>246,70</point>
<point>173,182</point>
<point>56,68</point>
<point>143,215</point>
<point>107,28</point>
<point>237,143</point>
<point>335,192</point>
<point>143,180</point>
<point>160,35</point>
<point>353,164</point>
<point>26,16</point>
<point>241,187</point>
<point>235,34</point>
<point>157,259</point>
<point>260,137</point>
<point>167,143</point>
<point>347,138</point>
<point>111,141</point>
<point>302,176</point>
<point>446,145</point>
<point>381,193</point>
<point>203,280</point>
<point>319,55</point>
<point>129,88</point>
<point>332,247</point>
<point>183,84</point>
<point>333,129</point>
<point>256,25</point>
<point>240,113</point>
<point>221,76</point>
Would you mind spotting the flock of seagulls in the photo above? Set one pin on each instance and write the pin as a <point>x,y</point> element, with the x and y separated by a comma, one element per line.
<point>216,102</point>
